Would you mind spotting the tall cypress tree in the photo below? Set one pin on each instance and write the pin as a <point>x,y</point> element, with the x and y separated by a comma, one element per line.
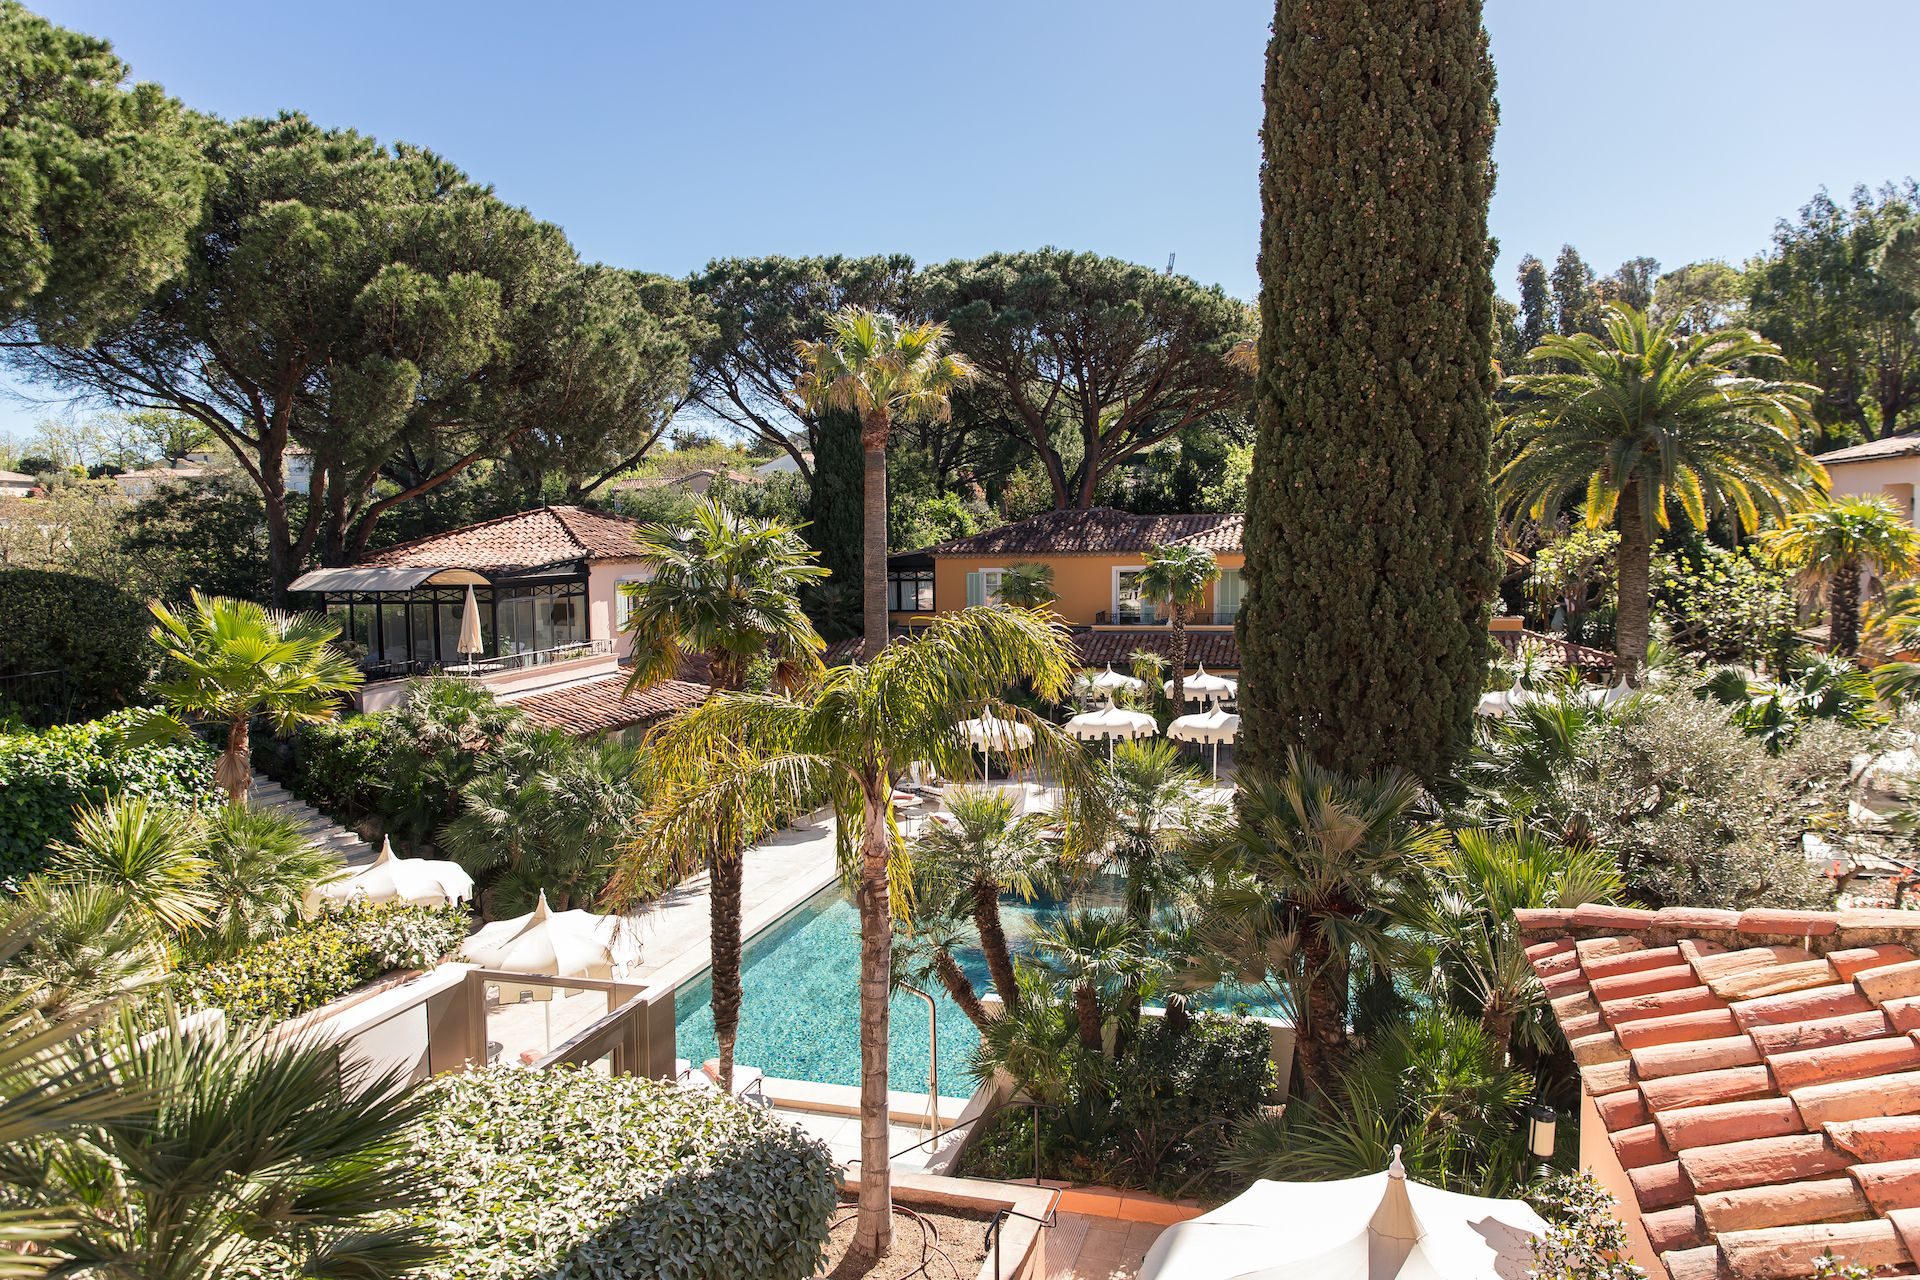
<point>1536,304</point>
<point>1369,550</point>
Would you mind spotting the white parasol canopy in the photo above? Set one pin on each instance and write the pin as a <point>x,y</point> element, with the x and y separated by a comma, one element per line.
<point>1611,696</point>
<point>991,733</point>
<point>1212,725</point>
<point>470,643</point>
<point>1382,1227</point>
<point>1200,686</point>
<point>565,944</point>
<point>1503,701</point>
<point>1112,722</point>
<point>1111,681</point>
<point>420,882</point>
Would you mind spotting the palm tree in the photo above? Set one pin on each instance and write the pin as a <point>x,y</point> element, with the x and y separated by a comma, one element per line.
<point>227,661</point>
<point>86,947</point>
<point>449,729</point>
<point>150,854</point>
<point>1479,881</point>
<point>1146,804</point>
<point>726,588</point>
<point>884,370</point>
<point>1093,953</point>
<point>1316,869</point>
<point>1831,545</point>
<point>1177,577</point>
<point>986,851</point>
<point>260,865</point>
<point>845,742</point>
<point>245,1152</point>
<point>1644,419</point>
<point>1027,586</point>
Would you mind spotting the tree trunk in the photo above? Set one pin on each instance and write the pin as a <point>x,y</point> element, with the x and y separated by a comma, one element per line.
<point>993,942</point>
<point>1843,609</point>
<point>1086,1006</point>
<point>725,874</point>
<point>1179,659</point>
<point>235,771</point>
<point>873,1230</point>
<point>873,533</point>
<point>1630,622</point>
<point>1322,1042</point>
<point>954,979</point>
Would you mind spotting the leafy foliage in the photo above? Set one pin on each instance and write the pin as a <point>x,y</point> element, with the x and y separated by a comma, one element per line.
<point>1368,547</point>
<point>45,775</point>
<point>1725,606</point>
<point>90,631</point>
<point>1584,1239</point>
<point>568,1175</point>
<point>327,957</point>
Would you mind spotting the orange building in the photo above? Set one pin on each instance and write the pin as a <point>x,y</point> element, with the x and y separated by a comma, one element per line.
<point>1096,556</point>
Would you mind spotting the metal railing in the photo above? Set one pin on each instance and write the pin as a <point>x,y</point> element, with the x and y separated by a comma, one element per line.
<point>41,698</point>
<point>481,667</point>
<point>1154,618</point>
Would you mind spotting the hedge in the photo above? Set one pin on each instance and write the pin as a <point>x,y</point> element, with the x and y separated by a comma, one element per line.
<point>327,957</point>
<point>45,774</point>
<point>566,1174</point>
<point>90,631</point>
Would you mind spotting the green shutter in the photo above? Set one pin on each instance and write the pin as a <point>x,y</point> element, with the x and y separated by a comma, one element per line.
<point>1226,594</point>
<point>976,593</point>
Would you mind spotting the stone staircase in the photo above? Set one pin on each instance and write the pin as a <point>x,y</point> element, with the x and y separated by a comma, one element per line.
<point>320,829</point>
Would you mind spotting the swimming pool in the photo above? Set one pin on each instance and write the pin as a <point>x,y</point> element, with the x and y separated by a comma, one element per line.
<point>800,1004</point>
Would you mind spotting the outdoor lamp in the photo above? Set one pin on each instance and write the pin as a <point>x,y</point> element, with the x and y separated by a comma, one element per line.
<point>1542,1123</point>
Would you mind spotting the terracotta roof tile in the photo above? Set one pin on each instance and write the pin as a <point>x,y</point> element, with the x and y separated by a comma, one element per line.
<point>518,542</point>
<point>601,705</point>
<point>1755,1075</point>
<point>1095,531</point>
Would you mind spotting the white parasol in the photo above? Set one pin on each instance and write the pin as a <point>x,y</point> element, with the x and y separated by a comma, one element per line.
<point>470,643</point>
<point>1200,686</point>
<point>1212,725</point>
<point>564,944</point>
<point>991,733</point>
<point>420,882</point>
<point>1112,722</point>
<point>1382,1227</point>
<point>1111,682</point>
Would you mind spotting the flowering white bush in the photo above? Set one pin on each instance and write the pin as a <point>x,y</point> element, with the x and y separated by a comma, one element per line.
<point>1584,1239</point>
<point>565,1174</point>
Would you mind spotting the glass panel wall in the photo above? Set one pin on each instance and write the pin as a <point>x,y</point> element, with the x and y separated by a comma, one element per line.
<point>421,630</point>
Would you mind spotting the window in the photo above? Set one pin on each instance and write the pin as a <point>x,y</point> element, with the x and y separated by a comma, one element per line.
<point>983,587</point>
<point>1129,604</point>
<point>1228,593</point>
<point>910,591</point>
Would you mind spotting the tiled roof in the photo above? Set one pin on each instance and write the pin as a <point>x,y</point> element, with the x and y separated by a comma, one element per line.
<point>1096,531</point>
<point>595,706</point>
<point>1891,447</point>
<point>524,540</point>
<point>1757,1073</point>
<point>1216,650</point>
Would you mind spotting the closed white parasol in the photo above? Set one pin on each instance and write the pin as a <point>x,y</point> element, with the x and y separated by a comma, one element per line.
<point>1111,722</point>
<point>1212,725</point>
<point>563,944</point>
<point>1200,686</point>
<point>470,643</point>
<point>420,882</point>
<point>1382,1227</point>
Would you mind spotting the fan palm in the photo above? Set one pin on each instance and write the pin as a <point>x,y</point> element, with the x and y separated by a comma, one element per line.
<point>1178,577</point>
<point>86,946</point>
<point>1093,953</point>
<point>984,852</point>
<point>726,588</point>
<point>227,661</point>
<point>150,853</point>
<point>249,1153</point>
<point>884,370</point>
<point>1643,419</point>
<point>1316,869</point>
<point>1479,881</point>
<point>1831,545</point>
<point>1027,586</point>
<point>1147,807</point>
<point>845,741</point>
<point>446,729</point>
<point>260,865</point>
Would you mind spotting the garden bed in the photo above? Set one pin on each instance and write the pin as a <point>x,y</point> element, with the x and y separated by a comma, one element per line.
<point>939,1242</point>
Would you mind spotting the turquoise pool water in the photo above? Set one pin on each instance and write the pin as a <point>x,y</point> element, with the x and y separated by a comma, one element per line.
<point>799,1016</point>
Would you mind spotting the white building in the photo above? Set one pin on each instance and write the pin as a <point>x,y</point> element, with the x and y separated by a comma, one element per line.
<point>1888,468</point>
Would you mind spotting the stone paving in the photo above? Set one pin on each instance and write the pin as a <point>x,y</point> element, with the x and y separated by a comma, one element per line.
<point>1082,1247</point>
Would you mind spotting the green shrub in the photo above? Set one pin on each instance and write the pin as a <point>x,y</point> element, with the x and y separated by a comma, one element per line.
<point>1160,1117</point>
<point>45,774</point>
<point>338,765</point>
<point>91,631</point>
<point>325,958</point>
<point>565,1174</point>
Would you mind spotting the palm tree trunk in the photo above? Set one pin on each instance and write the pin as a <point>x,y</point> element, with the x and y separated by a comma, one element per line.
<point>1322,1042</point>
<point>234,773</point>
<point>1843,609</point>
<point>954,979</point>
<point>993,942</point>
<point>873,1229</point>
<point>873,533</point>
<point>1086,1006</point>
<point>1630,622</point>
<point>725,875</point>
<point>1179,659</point>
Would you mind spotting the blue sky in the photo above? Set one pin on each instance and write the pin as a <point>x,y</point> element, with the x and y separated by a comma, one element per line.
<point>662,133</point>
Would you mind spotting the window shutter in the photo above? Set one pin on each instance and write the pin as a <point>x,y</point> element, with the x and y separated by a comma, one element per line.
<point>976,591</point>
